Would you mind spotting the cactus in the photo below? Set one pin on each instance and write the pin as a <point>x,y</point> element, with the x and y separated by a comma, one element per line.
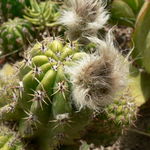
<point>124,12</point>
<point>43,14</point>
<point>12,8</point>
<point>9,140</point>
<point>15,34</point>
<point>63,94</point>
<point>46,107</point>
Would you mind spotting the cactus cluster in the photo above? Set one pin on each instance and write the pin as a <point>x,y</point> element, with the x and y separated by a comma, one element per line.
<point>43,14</point>
<point>61,94</point>
<point>45,105</point>
<point>15,34</point>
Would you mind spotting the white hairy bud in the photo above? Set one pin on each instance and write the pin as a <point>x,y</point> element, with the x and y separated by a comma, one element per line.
<point>84,17</point>
<point>98,78</point>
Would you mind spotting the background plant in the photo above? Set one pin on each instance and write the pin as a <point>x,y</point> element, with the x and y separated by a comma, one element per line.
<point>142,48</point>
<point>15,35</point>
<point>11,9</point>
<point>124,12</point>
<point>42,14</point>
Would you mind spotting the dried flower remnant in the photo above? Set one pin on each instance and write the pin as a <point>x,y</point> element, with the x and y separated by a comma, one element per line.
<point>98,78</point>
<point>84,17</point>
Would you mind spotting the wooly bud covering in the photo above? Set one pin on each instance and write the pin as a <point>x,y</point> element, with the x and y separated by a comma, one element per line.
<point>84,17</point>
<point>100,77</point>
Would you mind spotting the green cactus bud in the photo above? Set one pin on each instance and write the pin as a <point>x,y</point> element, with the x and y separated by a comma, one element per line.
<point>145,85</point>
<point>122,12</point>
<point>135,5</point>
<point>15,34</point>
<point>42,14</point>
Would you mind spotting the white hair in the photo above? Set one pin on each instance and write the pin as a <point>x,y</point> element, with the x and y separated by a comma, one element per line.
<point>84,17</point>
<point>98,78</point>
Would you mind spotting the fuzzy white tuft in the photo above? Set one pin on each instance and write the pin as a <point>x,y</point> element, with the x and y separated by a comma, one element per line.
<point>70,19</point>
<point>98,78</point>
<point>84,17</point>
